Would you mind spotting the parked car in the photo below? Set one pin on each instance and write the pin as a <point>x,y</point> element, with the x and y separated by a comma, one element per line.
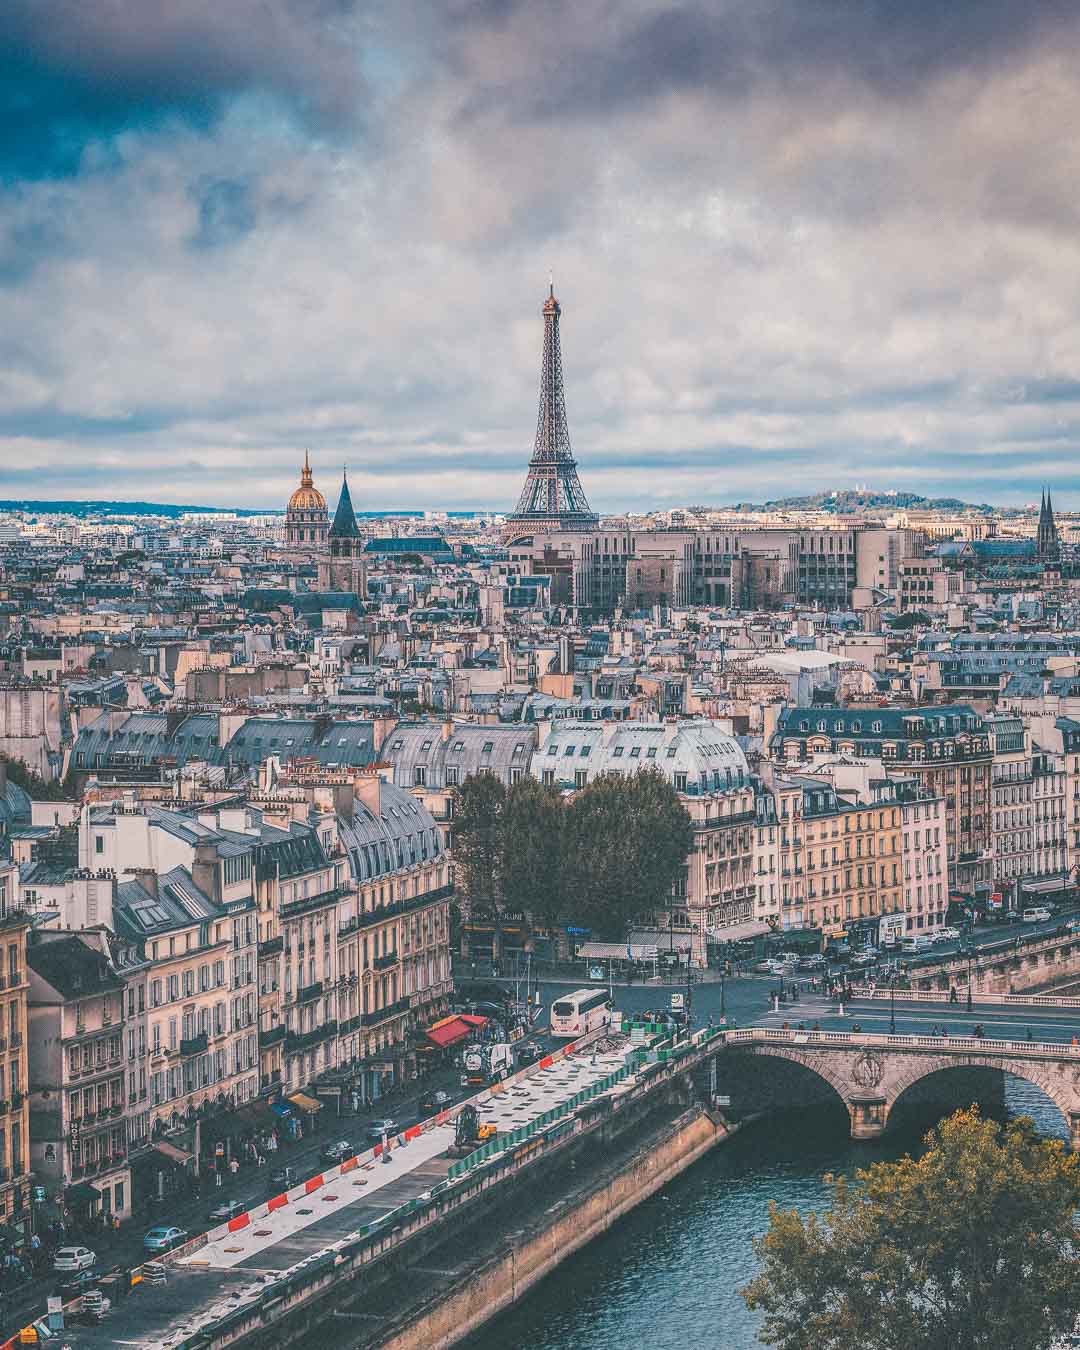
<point>281,1178</point>
<point>529,1054</point>
<point>337,1151</point>
<point>434,1101</point>
<point>73,1258</point>
<point>229,1209</point>
<point>163,1238</point>
<point>950,934</point>
<point>815,962</point>
<point>378,1128</point>
<point>865,958</point>
<point>78,1282</point>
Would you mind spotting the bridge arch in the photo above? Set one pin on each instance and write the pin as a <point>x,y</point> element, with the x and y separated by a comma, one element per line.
<point>870,1076</point>
<point>1052,1080</point>
<point>822,1067</point>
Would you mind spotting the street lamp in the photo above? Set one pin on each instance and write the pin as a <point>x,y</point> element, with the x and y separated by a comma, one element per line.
<point>892,1006</point>
<point>970,960</point>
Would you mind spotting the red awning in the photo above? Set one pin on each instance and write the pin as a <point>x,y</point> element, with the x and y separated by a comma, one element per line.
<point>451,1030</point>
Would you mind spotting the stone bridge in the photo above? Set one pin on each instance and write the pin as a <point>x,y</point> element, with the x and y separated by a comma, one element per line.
<point>870,1073</point>
<point>1017,963</point>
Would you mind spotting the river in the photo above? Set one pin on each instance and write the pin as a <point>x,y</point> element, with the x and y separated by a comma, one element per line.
<point>667,1277</point>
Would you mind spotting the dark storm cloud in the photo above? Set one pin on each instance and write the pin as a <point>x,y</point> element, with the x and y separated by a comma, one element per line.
<point>74,73</point>
<point>603,56</point>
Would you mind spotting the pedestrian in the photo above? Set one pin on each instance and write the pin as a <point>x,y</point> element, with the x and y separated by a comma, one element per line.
<point>234,1166</point>
<point>1029,1033</point>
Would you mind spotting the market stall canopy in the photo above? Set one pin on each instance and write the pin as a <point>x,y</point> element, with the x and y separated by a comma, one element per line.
<point>739,932</point>
<point>82,1193</point>
<point>305,1103</point>
<point>617,951</point>
<point>170,1151</point>
<point>452,1030</point>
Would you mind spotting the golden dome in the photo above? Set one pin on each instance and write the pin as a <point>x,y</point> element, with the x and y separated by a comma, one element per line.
<point>307,496</point>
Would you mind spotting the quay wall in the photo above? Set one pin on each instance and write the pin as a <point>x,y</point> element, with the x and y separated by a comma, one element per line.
<point>534,1252</point>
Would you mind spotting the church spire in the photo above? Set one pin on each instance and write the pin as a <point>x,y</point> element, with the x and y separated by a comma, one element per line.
<point>344,526</point>
<point>1047,543</point>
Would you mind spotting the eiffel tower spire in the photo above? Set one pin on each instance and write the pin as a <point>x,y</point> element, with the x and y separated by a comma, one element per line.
<point>552,498</point>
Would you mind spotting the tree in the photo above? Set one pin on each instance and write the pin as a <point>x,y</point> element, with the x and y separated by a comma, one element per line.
<point>477,842</point>
<point>974,1246</point>
<point>626,843</point>
<point>36,788</point>
<point>532,839</point>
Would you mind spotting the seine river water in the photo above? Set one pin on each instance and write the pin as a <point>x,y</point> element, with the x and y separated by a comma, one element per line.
<point>667,1277</point>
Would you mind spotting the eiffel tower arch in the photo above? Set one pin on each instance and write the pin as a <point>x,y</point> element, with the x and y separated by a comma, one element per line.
<point>552,498</point>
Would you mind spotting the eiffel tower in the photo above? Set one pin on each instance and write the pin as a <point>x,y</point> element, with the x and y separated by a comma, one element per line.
<point>552,498</point>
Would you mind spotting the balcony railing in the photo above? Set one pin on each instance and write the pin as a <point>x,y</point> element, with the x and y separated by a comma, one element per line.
<point>312,902</point>
<point>194,1045</point>
<point>272,1036</point>
<point>295,1041</point>
<point>368,917</point>
<point>309,992</point>
<point>385,962</point>
<point>371,1019</point>
<point>271,946</point>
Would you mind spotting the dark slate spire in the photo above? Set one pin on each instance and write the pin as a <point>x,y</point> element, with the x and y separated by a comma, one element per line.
<point>344,526</point>
<point>1047,543</point>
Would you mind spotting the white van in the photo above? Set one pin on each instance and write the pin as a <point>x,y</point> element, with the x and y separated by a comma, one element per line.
<point>921,942</point>
<point>1037,914</point>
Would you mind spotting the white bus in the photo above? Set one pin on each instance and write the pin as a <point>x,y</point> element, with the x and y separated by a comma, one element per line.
<point>584,1010</point>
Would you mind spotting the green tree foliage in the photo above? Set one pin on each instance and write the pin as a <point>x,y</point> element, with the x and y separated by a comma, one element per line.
<point>604,858</point>
<point>477,842</point>
<point>533,821</point>
<point>626,842</point>
<point>40,789</point>
<point>974,1246</point>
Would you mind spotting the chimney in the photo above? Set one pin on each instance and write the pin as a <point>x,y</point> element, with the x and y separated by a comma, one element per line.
<point>149,879</point>
<point>447,728</point>
<point>205,872</point>
<point>367,788</point>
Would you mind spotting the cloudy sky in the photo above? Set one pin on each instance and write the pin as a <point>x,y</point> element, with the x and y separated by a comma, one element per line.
<point>799,244</point>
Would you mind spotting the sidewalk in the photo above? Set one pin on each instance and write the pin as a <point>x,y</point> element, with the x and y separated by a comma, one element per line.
<point>250,1186</point>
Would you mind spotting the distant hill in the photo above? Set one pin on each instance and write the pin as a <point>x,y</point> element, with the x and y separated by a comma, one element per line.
<point>846,503</point>
<point>81,509</point>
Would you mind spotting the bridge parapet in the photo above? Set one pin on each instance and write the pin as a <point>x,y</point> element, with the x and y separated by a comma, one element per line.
<point>1005,967</point>
<point>871,1071</point>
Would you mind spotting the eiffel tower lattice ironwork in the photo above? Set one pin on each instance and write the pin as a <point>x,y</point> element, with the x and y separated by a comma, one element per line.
<point>552,498</point>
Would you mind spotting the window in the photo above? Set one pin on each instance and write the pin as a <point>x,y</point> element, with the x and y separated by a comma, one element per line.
<point>452,777</point>
<point>420,775</point>
<point>568,751</point>
<point>425,746</point>
<point>618,751</point>
<point>459,745</point>
<point>99,843</point>
<point>488,746</point>
<point>635,753</point>
<point>581,778</point>
<point>237,869</point>
<point>680,782</point>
